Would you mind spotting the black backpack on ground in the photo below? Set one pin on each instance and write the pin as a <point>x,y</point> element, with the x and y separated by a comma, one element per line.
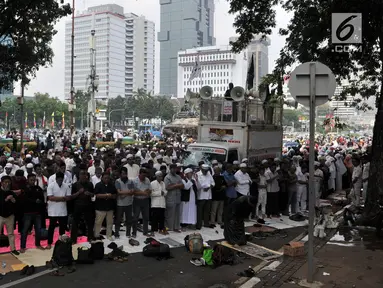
<point>157,250</point>
<point>62,253</point>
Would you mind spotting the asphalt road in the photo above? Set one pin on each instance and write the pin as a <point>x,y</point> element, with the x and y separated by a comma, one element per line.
<point>141,271</point>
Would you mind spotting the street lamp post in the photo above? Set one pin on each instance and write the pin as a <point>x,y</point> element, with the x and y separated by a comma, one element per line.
<point>114,110</point>
<point>72,74</point>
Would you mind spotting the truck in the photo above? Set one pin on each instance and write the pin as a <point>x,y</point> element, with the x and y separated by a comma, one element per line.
<point>230,131</point>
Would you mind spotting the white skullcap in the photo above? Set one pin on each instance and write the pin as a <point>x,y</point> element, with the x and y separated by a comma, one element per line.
<point>179,164</point>
<point>118,152</point>
<point>159,157</point>
<point>205,166</point>
<point>214,162</point>
<point>316,163</point>
<point>28,156</point>
<point>174,157</point>
<point>8,165</point>
<point>158,173</point>
<point>242,165</point>
<point>264,161</point>
<point>162,151</point>
<point>129,156</point>
<point>188,170</point>
<point>29,165</point>
<point>235,162</point>
<point>277,160</point>
<point>124,160</point>
<point>10,159</point>
<point>244,160</point>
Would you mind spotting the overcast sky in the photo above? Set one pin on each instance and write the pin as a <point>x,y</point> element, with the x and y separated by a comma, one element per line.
<point>51,80</point>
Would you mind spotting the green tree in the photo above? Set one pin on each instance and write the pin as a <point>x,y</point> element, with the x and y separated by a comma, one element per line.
<point>115,105</point>
<point>26,32</point>
<point>308,39</point>
<point>81,99</point>
<point>40,105</point>
<point>291,116</point>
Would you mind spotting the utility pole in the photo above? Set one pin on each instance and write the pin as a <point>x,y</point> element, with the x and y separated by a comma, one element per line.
<point>72,75</point>
<point>93,77</point>
<point>22,116</point>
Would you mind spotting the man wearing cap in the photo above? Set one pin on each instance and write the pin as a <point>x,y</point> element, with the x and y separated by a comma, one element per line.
<point>7,170</point>
<point>28,170</point>
<point>133,169</point>
<point>205,183</point>
<point>243,180</point>
<point>159,163</point>
<point>158,204</point>
<point>173,184</point>
<point>15,167</point>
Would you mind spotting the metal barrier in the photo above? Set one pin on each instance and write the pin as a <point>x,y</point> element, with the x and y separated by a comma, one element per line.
<point>250,112</point>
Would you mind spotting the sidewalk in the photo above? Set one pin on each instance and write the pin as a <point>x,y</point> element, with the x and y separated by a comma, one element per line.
<point>347,260</point>
<point>345,265</point>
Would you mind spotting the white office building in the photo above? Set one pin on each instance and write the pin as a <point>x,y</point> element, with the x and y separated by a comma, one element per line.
<point>124,51</point>
<point>219,66</point>
<point>343,109</point>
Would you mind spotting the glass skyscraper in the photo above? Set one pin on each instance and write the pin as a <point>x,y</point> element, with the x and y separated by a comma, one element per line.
<point>184,24</point>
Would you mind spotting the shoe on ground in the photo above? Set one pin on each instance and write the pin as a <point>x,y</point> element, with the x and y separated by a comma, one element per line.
<point>30,270</point>
<point>196,262</point>
<point>24,270</point>
<point>15,252</point>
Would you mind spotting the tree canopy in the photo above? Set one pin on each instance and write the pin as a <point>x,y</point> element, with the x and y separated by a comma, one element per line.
<point>26,32</point>
<point>308,38</point>
<point>143,105</point>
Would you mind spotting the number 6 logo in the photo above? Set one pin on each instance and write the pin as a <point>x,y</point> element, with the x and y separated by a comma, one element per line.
<point>346,28</point>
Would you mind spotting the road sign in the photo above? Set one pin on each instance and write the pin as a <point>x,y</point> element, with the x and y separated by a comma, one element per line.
<point>312,84</point>
<point>324,82</point>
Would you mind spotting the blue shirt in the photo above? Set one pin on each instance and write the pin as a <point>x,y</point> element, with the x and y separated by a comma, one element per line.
<point>230,191</point>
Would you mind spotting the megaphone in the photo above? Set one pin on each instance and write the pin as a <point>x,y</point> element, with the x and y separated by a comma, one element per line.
<point>291,103</point>
<point>190,95</point>
<point>206,92</point>
<point>237,93</point>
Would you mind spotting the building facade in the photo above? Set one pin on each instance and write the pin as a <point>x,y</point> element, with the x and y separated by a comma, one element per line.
<point>259,50</point>
<point>219,67</point>
<point>120,51</point>
<point>343,109</point>
<point>184,24</point>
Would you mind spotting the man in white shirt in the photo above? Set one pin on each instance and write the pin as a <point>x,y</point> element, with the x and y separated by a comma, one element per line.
<point>67,175</point>
<point>272,206</point>
<point>58,193</point>
<point>7,170</point>
<point>15,167</point>
<point>92,169</point>
<point>243,181</point>
<point>159,163</point>
<point>204,183</point>
<point>133,169</point>
<point>96,178</point>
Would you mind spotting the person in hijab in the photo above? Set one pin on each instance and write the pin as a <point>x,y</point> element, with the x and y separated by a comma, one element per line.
<point>236,213</point>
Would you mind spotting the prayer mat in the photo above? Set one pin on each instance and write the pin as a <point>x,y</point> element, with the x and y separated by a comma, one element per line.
<point>171,242</point>
<point>10,263</point>
<point>255,251</point>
